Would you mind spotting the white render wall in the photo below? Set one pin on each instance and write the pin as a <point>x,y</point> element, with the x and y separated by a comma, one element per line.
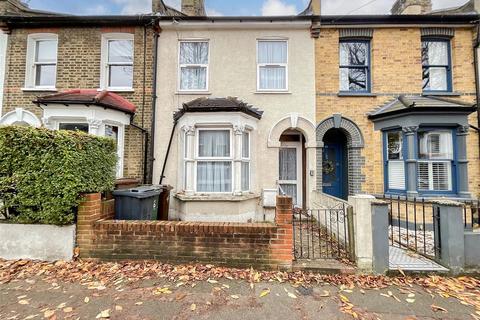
<point>233,72</point>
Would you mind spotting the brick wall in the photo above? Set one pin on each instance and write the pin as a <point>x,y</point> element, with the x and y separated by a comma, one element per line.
<point>396,69</point>
<point>76,69</point>
<point>261,245</point>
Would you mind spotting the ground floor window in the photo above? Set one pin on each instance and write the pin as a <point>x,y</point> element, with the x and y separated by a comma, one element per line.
<point>395,160</point>
<point>73,127</point>
<point>435,154</point>
<point>215,160</point>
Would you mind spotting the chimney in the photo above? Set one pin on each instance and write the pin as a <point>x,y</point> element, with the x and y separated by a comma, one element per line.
<point>316,6</point>
<point>193,7</point>
<point>412,7</point>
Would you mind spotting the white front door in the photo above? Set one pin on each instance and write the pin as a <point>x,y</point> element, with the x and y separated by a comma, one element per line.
<point>290,171</point>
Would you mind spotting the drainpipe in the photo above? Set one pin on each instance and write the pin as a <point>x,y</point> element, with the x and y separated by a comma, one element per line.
<point>145,150</point>
<point>168,151</point>
<point>156,30</point>
<point>477,76</point>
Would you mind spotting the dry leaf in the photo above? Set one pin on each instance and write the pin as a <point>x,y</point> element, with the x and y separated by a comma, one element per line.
<point>86,300</point>
<point>23,302</point>
<point>325,294</point>
<point>48,313</point>
<point>68,309</point>
<point>410,300</point>
<point>234,296</point>
<point>291,295</point>
<point>162,291</point>
<point>105,314</point>
<point>212,281</point>
<point>118,308</point>
<point>264,293</point>
<point>437,308</point>
<point>138,303</point>
<point>193,307</point>
<point>61,305</point>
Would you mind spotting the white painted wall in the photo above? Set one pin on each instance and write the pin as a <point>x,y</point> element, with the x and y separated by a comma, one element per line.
<point>233,72</point>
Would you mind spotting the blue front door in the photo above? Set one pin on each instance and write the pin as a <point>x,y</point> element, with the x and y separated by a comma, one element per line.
<point>332,170</point>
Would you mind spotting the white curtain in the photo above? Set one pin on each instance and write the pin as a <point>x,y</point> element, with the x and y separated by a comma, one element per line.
<point>245,176</point>
<point>288,164</point>
<point>120,51</point>
<point>438,53</point>
<point>214,143</point>
<point>193,78</point>
<point>214,176</point>
<point>273,77</point>
<point>194,53</point>
<point>245,145</point>
<point>290,190</point>
<point>272,52</point>
<point>438,79</point>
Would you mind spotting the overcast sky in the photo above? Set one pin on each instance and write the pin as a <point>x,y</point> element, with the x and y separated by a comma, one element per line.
<point>227,7</point>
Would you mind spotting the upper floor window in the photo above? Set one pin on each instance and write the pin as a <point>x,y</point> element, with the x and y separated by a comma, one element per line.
<point>435,154</point>
<point>436,63</point>
<point>193,65</point>
<point>41,71</point>
<point>117,61</point>
<point>355,66</point>
<point>272,65</point>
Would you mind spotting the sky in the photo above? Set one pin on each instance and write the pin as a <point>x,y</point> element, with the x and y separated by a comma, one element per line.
<point>227,7</point>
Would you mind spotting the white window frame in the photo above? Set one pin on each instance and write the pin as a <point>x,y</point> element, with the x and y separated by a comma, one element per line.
<point>183,65</point>
<point>285,65</point>
<point>105,66</point>
<point>214,159</point>
<point>247,160</point>
<point>30,70</point>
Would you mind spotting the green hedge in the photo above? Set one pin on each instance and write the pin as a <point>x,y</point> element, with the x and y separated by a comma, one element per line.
<point>44,172</point>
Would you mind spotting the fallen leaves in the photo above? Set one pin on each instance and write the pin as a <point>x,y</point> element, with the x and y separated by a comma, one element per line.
<point>264,293</point>
<point>105,314</point>
<point>193,307</point>
<point>160,291</point>
<point>436,308</point>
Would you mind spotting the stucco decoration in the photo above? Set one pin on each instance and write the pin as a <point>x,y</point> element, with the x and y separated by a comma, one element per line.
<point>292,122</point>
<point>355,143</point>
<point>20,117</point>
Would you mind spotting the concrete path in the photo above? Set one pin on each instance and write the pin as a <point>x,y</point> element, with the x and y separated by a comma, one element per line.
<point>410,261</point>
<point>35,298</point>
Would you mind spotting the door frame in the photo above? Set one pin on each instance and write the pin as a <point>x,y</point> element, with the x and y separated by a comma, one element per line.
<point>297,145</point>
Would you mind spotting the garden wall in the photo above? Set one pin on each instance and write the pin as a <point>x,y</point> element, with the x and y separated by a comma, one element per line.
<point>261,245</point>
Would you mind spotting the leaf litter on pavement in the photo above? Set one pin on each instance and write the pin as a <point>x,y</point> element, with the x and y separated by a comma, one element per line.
<point>98,276</point>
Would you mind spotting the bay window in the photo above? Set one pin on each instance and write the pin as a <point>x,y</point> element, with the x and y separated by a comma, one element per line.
<point>395,160</point>
<point>435,154</point>
<point>355,66</point>
<point>436,63</point>
<point>117,62</point>
<point>41,71</point>
<point>245,161</point>
<point>272,65</point>
<point>193,65</point>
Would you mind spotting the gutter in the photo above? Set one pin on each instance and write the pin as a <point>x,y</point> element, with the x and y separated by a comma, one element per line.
<point>157,31</point>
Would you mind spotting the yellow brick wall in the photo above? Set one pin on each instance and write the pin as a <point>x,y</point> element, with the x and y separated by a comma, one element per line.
<point>396,69</point>
<point>78,66</point>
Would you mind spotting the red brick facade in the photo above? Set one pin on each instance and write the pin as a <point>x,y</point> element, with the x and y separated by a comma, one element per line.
<point>260,245</point>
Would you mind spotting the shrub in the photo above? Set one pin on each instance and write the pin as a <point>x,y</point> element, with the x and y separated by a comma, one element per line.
<point>43,172</point>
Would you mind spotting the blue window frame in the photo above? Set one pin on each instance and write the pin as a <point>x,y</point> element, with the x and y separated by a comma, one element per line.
<point>394,155</point>
<point>436,65</point>
<point>437,161</point>
<point>355,66</point>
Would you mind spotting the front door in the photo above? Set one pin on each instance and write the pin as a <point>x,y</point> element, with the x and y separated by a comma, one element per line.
<point>332,169</point>
<point>290,171</point>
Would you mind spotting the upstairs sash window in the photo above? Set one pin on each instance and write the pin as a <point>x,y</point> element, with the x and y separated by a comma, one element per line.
<point>45,63</point>
<point>355,66</point>
<point>272,65</point>
<point>437,75</point>
<point>120,64</point>
<point>435,154</point>
<point>193,61</point>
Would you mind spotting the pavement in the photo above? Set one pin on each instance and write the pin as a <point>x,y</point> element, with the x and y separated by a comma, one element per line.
<point>157,298</point>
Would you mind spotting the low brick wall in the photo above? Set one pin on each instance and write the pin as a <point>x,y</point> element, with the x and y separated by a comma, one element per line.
<point>260,245</point>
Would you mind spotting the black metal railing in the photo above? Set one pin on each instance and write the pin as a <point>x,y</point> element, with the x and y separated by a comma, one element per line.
<point>414,225</point>
<point>323,233</point>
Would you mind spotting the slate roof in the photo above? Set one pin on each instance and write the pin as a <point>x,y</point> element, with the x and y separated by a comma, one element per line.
<point>228,104</point>
<point>467,8</point>
<point>104,99</point>
<point>406,104</point>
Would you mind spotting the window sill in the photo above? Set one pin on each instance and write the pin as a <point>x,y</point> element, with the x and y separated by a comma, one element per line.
<point>356,94</point>
<point>117,89</point>
<point>40,89</point>
<point>216,197</point>
<point>272,92</point>
<point>439,94</point>
<point>193,93</point>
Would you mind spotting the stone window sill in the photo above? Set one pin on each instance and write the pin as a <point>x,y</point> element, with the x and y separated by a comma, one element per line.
<point>440,94</point>
<point>355,94</point>
<point>216,197</point>
<point>193,93</point>
<point>40,89</point>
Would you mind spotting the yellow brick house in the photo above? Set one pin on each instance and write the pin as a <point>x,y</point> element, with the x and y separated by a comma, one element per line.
<point>396,102</point>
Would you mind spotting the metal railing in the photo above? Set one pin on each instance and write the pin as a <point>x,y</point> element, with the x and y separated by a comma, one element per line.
<point>323,233</point>
<point>414,225</point>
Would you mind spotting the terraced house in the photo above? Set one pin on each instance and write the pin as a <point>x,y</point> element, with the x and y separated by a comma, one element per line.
<point>93,74</point>
<point>396,102</point>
